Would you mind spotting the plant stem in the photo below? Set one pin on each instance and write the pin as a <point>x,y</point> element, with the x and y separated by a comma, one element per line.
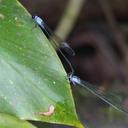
<point>69,17</point>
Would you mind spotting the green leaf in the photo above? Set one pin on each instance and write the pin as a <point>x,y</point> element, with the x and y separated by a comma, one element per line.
<point>7,121</point>
<point>32,77</point>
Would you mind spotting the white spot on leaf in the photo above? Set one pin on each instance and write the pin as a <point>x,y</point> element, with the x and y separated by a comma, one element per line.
<point>18,22</point>
<point>2,16</point>
<point>16,18</point>
<point>54,82</point>
<point>10,81</point>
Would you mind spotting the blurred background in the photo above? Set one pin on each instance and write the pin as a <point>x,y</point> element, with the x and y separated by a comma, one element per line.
<point>98,32</point>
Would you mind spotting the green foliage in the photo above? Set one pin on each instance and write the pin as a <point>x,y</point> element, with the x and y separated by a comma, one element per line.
<point>32,77</point>
<point>7,121</point>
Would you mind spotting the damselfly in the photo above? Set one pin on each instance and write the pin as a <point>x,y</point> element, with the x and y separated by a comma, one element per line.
<point>109,97</point>
<point>40,22</point>
<point>58,42</point>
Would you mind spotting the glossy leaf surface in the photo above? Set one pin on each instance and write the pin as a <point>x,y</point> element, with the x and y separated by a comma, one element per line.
<point>32,77</point>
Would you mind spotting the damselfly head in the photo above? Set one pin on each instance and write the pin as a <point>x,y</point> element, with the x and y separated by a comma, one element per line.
<point>74,79</point>
<point>35,17</point>
<point>38,20</point>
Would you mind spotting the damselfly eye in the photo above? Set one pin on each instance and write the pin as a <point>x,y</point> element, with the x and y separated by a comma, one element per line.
<point>33,16</point>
